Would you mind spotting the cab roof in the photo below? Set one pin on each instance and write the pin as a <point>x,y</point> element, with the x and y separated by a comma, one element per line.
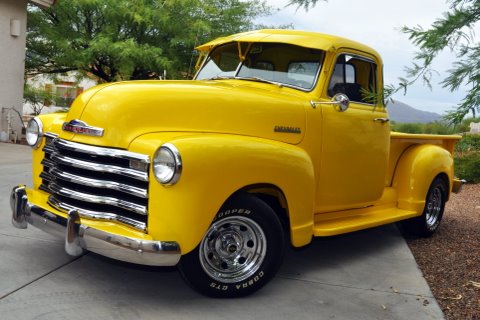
<point>301,38</point>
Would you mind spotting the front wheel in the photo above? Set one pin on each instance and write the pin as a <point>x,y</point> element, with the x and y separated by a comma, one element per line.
<point>241,251</point>
<point>426,224</point>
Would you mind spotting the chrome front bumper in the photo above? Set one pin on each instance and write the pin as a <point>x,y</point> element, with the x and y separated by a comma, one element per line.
<point>79,238</point>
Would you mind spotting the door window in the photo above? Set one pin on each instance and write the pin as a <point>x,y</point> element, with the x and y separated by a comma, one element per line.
<point>356,77</point>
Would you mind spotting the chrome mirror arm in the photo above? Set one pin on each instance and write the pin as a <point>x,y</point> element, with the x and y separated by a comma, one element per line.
<point>340,100</point>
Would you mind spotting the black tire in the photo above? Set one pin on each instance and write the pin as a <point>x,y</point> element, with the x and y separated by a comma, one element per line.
<point>241,251</point>
<point>426,224</point>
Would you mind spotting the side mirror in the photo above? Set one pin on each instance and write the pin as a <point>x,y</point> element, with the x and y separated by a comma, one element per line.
<point>341,101</point>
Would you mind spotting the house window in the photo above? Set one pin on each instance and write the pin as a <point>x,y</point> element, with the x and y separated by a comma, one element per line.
<point>63,93</point>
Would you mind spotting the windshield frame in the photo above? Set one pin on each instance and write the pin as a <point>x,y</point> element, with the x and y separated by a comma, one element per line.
<point>236,76</point>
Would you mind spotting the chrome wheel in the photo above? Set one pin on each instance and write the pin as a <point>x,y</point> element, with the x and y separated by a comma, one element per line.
<point>434,207</point>
<point>435,199</point>
<point>233,249</point>
<point>241,251</point>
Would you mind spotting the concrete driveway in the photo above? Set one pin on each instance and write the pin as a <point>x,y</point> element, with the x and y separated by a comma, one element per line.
<point>366,275</point>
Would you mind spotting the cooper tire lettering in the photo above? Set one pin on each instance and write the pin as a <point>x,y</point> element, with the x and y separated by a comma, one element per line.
<point>226,213</point>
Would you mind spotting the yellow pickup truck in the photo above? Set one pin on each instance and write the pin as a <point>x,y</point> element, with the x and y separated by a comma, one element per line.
<point>282,136</point>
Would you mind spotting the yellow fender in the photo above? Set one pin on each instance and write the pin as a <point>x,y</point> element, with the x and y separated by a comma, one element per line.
<point>215,166</point>
<point>415,171</point>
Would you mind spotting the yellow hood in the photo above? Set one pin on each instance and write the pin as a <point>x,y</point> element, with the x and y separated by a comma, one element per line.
<point>126,110</point>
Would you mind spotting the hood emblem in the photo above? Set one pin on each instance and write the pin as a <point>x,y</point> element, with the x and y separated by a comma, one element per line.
<point>80,127</point>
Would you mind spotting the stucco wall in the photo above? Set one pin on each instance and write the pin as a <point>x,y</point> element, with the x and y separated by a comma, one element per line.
<point>12,61</point>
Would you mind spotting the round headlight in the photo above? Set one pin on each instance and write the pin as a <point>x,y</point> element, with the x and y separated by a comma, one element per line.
<point>34,132</point>
<point>167,164</point>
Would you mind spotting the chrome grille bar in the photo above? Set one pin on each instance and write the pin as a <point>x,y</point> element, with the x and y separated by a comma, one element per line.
<point>100,151</point>
<point>99,182</point>
<point>54,173</point>
<point>69,161</point>
<point>48,163</point>
<point>95,214</point>
<point>69,193</point>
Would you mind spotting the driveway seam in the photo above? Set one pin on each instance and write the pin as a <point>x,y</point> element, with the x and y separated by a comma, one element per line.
<point>41,277</point>
<point>28,238</point>
<point>355,288</point>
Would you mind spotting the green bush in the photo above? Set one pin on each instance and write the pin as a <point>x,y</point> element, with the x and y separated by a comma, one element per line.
<point>464,126</point>
<point>467,158</point>
<point>467,166</point>
<point>437,127</point>
<point>408,127</point>
<point>468,143</point>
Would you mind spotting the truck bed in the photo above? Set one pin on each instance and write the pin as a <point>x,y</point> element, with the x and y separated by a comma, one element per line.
<point>402,141</point>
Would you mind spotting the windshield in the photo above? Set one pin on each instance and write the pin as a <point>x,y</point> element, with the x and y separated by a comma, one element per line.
<point>279,63</point>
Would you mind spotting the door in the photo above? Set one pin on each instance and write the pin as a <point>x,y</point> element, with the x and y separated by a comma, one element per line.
<point>356,142</point>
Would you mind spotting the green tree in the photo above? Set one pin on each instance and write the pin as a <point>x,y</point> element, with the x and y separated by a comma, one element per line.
<point>130,39</point>
<point>307,4</point>
<point>456,31</point>
<point>38,98</point>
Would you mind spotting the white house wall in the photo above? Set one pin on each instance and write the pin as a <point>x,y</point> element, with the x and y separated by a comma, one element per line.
<point>13,20</point>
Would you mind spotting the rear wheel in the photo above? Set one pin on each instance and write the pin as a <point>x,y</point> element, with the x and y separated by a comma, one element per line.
<point>241,251</point>
<point>426,224</point>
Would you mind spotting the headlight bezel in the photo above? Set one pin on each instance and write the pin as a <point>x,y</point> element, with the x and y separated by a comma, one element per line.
<point>39,133</point>
<point>175,164</point>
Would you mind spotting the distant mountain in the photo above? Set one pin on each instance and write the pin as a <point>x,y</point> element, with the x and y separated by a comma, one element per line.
<point>402,112</point>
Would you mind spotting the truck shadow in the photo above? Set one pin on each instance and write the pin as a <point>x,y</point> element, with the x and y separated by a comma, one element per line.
<point>336,275</point>
<point>341,260</point>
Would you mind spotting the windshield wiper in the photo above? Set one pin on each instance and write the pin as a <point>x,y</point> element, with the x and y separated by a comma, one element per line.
<point>221,78</point>
<point>278,84</point>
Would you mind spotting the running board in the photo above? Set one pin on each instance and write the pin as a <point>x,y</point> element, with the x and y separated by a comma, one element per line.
<point>334,223</point>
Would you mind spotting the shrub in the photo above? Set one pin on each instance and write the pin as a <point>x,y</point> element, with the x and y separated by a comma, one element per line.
<point>468,143</point>
<point>437,127</point>
<point>408,127</point>
<point>467,166</point>
<point>464,126</point>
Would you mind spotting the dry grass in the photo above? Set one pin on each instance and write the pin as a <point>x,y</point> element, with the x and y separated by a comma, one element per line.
<point>450,259</point>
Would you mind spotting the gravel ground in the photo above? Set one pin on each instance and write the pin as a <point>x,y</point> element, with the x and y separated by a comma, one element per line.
<point>450,259</point>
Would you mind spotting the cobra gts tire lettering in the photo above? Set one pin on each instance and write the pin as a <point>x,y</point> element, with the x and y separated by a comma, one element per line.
<point>218,286</point>
<point>250,282</point>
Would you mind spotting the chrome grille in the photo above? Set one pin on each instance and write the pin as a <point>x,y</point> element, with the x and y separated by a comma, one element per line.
<point>100,183</point>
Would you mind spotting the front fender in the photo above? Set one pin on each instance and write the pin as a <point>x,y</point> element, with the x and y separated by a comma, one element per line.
<point>415,171</point>
<point>216,166</point>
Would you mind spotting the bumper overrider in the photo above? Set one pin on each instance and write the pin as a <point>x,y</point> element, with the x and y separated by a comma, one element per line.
<point>458,185</point>
<point>80,238</point>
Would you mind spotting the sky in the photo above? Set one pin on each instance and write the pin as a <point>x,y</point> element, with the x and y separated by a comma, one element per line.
<point>377,24</point>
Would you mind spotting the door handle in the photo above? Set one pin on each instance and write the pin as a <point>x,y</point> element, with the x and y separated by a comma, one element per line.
<point>382,120</point>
